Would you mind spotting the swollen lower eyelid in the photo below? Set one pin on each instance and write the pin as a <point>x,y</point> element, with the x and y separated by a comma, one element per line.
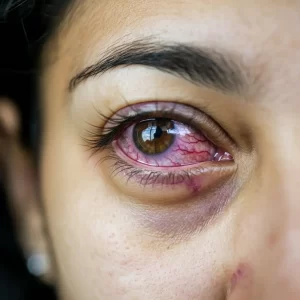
<point>168,186</point>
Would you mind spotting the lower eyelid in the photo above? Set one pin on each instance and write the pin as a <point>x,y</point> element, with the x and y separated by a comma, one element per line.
<point>174,186</point>
<point>180,221</point>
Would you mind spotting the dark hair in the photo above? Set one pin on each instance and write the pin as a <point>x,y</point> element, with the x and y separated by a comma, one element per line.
<point>18,10</point>
<point>25,26</point>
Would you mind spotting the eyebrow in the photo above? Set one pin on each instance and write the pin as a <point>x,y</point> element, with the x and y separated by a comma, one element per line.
<point>203,66</point>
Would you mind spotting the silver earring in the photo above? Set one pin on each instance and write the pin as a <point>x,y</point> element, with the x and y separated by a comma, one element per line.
<point>38,264</point>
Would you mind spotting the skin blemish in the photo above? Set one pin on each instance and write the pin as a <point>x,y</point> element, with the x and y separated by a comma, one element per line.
<point>194,185</point>
<point>240,279</point>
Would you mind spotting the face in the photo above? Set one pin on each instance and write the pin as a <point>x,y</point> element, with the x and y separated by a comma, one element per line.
<point>170,151</point>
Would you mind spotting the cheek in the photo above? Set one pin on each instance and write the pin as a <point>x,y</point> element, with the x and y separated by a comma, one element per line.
<point>101,250</point>
<point>103,253</point>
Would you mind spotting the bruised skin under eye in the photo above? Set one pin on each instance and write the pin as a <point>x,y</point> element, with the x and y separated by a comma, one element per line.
<point>191,214</point>
<point>176,209</point>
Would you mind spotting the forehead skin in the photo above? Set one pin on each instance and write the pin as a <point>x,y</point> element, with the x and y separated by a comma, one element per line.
<point>237,27</point>
<point>100,254</point>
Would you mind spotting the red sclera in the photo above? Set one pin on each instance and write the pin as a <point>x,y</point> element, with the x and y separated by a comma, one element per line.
<point>188,148</point>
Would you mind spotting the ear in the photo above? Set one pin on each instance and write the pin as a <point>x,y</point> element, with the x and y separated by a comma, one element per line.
<point>19,175</point>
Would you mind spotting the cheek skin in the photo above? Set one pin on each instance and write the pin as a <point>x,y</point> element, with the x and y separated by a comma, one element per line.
<point>114,259</point>
<point>123,266</point>
<point>103,253</point>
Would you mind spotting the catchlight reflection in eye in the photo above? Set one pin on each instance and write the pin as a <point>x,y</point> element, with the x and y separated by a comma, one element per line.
<point>154,136</point>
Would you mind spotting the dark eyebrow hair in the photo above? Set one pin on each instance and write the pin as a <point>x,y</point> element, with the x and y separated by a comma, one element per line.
<point>198,65</point>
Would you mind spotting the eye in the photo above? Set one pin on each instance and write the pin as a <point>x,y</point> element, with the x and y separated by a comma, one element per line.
<point>165,144</point>
<point>162,142</point>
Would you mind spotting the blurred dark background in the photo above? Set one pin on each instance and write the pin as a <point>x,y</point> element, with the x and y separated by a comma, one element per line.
<point>23,26</point>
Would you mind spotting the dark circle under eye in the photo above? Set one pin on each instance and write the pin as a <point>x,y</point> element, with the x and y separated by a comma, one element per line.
<point>153,136</point>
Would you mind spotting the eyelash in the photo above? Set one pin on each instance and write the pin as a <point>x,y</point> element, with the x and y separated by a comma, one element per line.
<point>100,139</point>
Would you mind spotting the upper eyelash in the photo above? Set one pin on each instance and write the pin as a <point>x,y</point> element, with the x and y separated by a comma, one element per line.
<point>102,137</point>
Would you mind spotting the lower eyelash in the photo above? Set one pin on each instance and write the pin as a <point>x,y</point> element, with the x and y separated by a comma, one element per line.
<point>160,179</point>
<point>145,177</point>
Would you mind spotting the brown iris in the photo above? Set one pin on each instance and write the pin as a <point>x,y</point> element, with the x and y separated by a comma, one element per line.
<point>154,136</point>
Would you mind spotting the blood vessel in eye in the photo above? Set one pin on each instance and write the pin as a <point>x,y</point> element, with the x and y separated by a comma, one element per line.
<point>165,143</point>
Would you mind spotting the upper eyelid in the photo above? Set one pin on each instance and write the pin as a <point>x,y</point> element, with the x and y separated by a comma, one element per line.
<point>171,111</point>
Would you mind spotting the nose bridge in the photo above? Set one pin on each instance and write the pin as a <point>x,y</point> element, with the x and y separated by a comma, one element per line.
<point>287,164</point>
<point>282,192</point>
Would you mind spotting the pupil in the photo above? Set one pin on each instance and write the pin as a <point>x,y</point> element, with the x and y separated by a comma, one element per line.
<point>158,133</point>
<point>153,136</point>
